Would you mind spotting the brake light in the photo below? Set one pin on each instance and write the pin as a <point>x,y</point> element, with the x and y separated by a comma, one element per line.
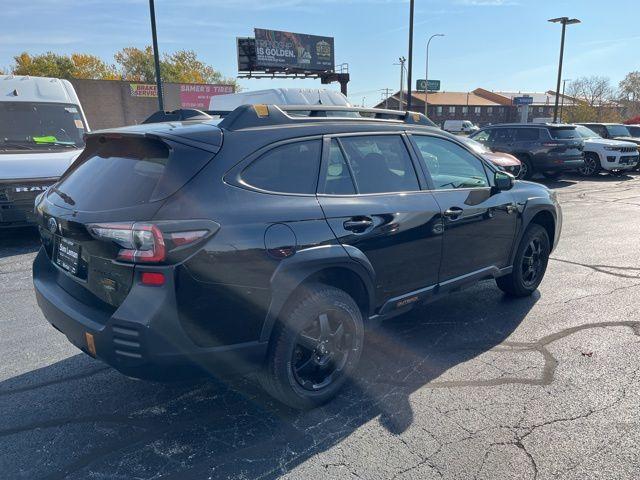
<point>140,242</point>
<point>185,238</point>
<point>154,279</point>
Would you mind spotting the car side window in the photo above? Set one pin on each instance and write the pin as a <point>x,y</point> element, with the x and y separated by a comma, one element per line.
<point>337,178</point>
<point>482,137</point>
<point>503,135</point>
<point>527,134</point>
<point>289,168</point>
<point>380,164</point>
<point>450,165</point>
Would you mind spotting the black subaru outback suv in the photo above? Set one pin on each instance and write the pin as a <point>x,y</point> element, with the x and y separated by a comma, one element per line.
<point>268,241</point>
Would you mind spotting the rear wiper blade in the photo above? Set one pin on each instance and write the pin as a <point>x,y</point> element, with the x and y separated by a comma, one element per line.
<point>67,199</point>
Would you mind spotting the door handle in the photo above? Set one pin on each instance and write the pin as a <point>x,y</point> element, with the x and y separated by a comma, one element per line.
<point>358,225</point>
<point>453,213</point>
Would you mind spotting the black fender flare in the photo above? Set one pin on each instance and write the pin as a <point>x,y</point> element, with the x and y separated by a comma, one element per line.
<point>533,206</point>
<point>291,272</point>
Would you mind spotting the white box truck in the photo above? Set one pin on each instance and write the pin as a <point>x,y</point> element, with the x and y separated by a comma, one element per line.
<point>41,133</point>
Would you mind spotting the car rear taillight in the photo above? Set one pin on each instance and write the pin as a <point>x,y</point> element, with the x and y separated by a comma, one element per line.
<point>140,242</point>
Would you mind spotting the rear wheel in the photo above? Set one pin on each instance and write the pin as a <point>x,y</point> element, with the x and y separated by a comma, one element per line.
<point>530,263</point>
<point>315,347</point>
<point>591,165</point>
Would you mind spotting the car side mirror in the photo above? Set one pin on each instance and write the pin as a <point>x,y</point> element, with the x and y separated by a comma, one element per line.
<point>503,181</point>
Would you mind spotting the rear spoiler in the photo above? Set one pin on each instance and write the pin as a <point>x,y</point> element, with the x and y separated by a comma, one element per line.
<point>177,116</point>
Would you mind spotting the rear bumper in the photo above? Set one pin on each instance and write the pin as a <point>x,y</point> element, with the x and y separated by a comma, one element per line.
<point>141,338</point>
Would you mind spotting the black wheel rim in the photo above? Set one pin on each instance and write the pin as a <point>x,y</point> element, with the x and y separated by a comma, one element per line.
<point>532,262</point>
<point>322,350</point>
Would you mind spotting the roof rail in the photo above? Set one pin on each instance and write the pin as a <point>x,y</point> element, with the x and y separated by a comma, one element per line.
<point>177,116</point>
<point>250,116</point>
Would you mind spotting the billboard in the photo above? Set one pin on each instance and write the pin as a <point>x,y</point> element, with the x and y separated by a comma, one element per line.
<point>286,51</point>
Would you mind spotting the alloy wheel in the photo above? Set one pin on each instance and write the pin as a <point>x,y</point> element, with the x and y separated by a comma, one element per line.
<point>589,167</point>
<point>532,262</point>
<point>322,350</point>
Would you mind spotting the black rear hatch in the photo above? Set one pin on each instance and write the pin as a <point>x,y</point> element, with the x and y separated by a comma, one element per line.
<point>121,178</point>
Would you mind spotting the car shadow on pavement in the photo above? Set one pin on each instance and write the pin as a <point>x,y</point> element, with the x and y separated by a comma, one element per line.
<point>18,241</point>
<point>96,422</point>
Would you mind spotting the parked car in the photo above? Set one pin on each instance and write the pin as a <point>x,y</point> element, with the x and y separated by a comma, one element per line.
<point>268,241</point>
<point>605,154</point>
<point>459,126</point>
<point>41,130</point>
<point>549,149</point>
<point>502,160</point>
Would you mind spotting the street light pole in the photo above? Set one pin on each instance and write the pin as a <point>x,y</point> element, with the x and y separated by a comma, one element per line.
<point>426,72</point>
<point>564,21</point>
<point>156,56</point>
<point>411,4</point>
<point>564,83</point>
<point>402,60</point>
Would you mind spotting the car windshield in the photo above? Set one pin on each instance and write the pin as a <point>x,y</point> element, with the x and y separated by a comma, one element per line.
<point>475,146</point>
<point>585,132</point>
<point>618,131</point>
<point>634,130</point>
<point>34,126</point>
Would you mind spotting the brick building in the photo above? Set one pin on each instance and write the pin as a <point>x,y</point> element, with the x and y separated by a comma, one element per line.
<point>480,106</point>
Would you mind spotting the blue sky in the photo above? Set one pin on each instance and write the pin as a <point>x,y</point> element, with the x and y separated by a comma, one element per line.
<point>495,44</point>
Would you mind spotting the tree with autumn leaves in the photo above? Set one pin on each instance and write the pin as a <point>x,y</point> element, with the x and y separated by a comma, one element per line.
<point>132,64</point>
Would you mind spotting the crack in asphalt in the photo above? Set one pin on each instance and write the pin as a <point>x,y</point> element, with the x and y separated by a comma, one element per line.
<point>602,268</point>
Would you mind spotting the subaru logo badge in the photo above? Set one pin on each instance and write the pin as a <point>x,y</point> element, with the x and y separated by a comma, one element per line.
<point>52,225</point>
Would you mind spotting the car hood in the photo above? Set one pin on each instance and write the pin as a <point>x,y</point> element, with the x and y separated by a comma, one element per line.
<point>607,141</point>
<point>502,159</point>
<point>45,164</point>
<point>629,139</point>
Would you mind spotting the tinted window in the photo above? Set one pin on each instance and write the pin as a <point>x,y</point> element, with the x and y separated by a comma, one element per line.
<point>450,165</point>
<point>527,134</point>
<point>618,130</point>
<point>563,133</point>
<point>502,135</point>
<point>290,168</point>
<point>117,173</point>
<point>634,131</point>
<point>337,179</point>
<point>380,164</point>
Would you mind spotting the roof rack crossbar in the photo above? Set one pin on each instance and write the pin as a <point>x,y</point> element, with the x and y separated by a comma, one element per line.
<point>249,116</point>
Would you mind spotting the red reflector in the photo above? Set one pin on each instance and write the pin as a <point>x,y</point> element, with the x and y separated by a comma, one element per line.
<point>152,278</point>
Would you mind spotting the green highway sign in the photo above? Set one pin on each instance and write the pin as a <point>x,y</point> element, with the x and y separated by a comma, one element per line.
<point>434,85</point>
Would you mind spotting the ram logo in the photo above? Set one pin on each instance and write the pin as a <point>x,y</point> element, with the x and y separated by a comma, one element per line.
<point>35,188</point>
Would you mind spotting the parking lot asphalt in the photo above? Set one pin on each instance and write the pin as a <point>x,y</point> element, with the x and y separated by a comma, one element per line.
<point>475,385</point>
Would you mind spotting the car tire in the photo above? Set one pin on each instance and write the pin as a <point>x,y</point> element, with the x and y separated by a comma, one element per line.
<point>307,344</point>
<point>552,174</point>
<point>526,169</point>
<point>532,257</point>
<point>591,165</point>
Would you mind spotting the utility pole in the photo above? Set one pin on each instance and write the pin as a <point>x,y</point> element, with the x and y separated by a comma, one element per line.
<point>564,83</point>
<point>411,5</point>
<point>156,56</point>
<point>426,73</point>
<point>564,21</point>
<point>386,93</point>
<point>402,60</point>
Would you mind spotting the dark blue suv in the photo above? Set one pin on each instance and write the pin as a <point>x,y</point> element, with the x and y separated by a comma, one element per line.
<point>269,240</point>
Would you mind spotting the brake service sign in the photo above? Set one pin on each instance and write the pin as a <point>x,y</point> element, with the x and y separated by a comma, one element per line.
<point>276,50</point>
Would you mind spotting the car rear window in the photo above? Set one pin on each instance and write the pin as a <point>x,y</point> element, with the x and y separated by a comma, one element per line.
<point>564,133</point>
<point>289,168</point>
<point>122,172</point>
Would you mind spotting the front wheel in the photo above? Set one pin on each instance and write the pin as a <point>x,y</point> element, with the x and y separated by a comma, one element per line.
<point>530,263</point>
<point>315,347</point>
<point>591,165</point>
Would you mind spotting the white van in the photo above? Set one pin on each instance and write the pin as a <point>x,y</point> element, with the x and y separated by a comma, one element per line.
<point>278,96</point>
<point>41,133</point>
<point>459,126</point>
